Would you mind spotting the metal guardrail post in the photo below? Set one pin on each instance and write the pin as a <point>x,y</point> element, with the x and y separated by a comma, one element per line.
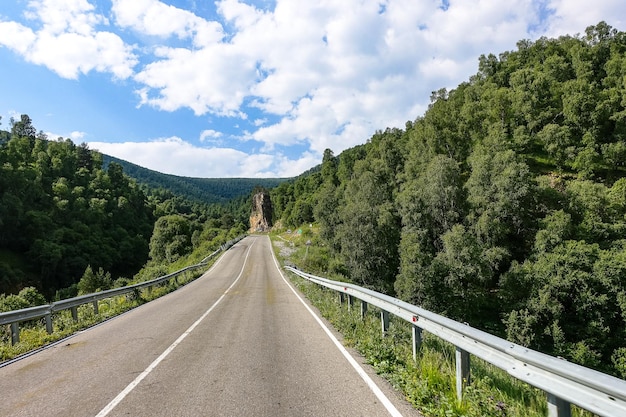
<point>15,333</point>
<point>417,341</point>
<point>558,407</point>
<point>363,309</point>
<point>95,307</point>
<point>341,298</point>
<point>48,318</point>
<point>350,302</point>
<point>462,371</point>
<point>384,321</point>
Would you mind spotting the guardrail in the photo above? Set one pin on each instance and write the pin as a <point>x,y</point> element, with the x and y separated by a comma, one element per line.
<point>15,317</point>
<point>565,383</point>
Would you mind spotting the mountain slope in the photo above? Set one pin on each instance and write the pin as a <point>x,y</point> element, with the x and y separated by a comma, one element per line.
<point>206,190</point>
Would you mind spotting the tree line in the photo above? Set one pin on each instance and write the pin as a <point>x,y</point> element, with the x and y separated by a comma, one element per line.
<point>503,206</point>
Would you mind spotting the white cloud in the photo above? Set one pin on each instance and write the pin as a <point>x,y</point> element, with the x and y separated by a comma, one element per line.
<point>175,156</point>
<point>213,79</point>
<point>77,136</point>
<point>277,165</point>
<point>337,71</point>
<point>60,16</point>
<point>210,134</point>
<point>67,42</point>
<point>574,16</point>
<point>323,74</point>
<point>152,17</point>
<point>17,37</point>
<point>290,168</point>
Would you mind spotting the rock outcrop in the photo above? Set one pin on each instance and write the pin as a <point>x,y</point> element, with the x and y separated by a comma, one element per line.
<point>261,217</point>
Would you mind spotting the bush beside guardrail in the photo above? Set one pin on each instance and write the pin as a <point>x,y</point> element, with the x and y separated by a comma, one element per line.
<point>14,318</point>
<point>565,383</point>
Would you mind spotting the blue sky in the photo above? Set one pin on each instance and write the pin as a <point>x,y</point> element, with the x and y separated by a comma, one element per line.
<point>234,88</point>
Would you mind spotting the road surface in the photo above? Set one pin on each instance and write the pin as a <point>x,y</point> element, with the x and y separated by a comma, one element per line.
<point>238,341</point>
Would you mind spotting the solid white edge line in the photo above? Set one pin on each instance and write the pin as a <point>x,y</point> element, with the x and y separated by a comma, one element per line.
<point>110,406</point>
<point>366,378</point>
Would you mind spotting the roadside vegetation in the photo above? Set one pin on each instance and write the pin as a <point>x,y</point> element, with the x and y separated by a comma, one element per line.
<point>429,382</point>
<point>33,334</point>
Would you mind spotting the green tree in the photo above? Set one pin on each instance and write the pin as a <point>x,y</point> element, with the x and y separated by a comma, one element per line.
<point>431,204</point>
<point>326,213</point>
<point>93,282</point>
<point>329,167</point>
<point>463,275</point>
<point>555,228</point>
<point>589,204</point>
<point>574,307</point>
<point>23,128</point>
<point>369,233</point>
<point>27,297</point>
<point>559,143</point>
<point>171,238</point>
<point>500,193</point>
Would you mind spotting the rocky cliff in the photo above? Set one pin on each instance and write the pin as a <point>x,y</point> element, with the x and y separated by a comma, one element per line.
<point>261,217</point>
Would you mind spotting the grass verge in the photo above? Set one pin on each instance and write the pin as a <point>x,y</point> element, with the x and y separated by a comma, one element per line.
<point>429,382</point>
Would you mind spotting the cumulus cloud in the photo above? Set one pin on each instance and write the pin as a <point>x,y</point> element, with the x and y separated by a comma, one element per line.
<point>214,79</point>
<point>67,41</point>
<point>293,74</point>
<point>210,134</point>
<point>177,157</point>
<point>574,16</point>
<point>77,136</point>
<point>152,17</point>
<point>335,71</point>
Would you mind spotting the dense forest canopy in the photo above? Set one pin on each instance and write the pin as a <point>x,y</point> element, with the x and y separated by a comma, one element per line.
<point>64,215</point>
<point>59,211</point>
<point>504,205</point>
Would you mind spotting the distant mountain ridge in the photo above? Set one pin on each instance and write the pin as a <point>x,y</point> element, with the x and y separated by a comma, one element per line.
<point>206,190</point>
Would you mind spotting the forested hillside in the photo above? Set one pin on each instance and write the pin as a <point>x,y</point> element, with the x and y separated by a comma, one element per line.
<point>205,190</point>
<point>63,216</point>
<point>504,206</point>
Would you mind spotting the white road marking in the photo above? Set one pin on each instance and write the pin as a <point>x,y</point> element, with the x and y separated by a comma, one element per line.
<point>366,378</point>
<point>110,406</point>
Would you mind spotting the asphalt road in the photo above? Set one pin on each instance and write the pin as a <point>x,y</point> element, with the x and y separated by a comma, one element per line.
<point>238,341</point>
